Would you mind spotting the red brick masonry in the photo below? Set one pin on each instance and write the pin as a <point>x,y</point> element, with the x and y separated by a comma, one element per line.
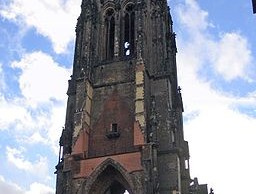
<point>130,161</point>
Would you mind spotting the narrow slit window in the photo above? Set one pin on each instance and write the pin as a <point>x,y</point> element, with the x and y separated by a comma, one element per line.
<point>129,23</point>
<point>186,164</point>
<point>109,34</point>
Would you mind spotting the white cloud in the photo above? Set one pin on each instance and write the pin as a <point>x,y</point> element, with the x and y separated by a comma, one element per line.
<point>55,128</point>
<point>35,128</point>
<point>54,19</point>
<point>38,188</point>
<point>232,56</point>
<point>2,82</point>
<point>221,138</point>
<point>14,113</point>
<point>35,117</point>
<point>32,126</point>
<point>37,138</point>
<point>195,20</point>
<point>41,78</point>
<point>37,168</point>
<point>49,132</point>
<point>221,144</point>
<point>229,54</point>
<point>29,126</point>
<point>9,187</point>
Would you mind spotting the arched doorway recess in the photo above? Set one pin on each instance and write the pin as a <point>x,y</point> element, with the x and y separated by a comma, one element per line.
<point>110,178</point>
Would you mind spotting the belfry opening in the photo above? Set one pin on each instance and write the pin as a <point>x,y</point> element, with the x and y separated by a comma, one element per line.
<point>109,33</point>
<point>129,22</point>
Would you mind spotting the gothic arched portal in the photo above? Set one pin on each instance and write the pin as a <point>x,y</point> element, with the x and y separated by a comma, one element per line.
<point>110,181</point>
<point>109,178</point>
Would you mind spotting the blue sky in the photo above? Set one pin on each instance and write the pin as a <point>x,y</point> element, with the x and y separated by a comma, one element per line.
<point>217,73</point>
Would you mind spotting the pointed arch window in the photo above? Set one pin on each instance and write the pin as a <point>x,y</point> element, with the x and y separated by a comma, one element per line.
<point>109,34</point>
<point>129,31</point>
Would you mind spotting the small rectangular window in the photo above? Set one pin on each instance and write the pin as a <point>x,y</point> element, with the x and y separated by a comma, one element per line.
<point>114,127</point>
<point>113,132</point>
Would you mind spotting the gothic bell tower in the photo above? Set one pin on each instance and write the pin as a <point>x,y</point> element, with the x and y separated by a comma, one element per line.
<point>123,128</point>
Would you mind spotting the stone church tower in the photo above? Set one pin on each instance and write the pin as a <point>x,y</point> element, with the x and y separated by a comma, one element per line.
<point>123,127</point>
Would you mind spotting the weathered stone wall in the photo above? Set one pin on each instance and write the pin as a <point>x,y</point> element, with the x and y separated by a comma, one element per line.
<point>113,103</point>
<point>124,113</point>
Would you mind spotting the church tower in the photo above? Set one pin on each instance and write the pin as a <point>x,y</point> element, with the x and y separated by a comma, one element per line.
<point>123,129</point>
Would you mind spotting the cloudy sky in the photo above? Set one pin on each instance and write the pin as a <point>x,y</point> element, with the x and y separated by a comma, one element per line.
<point>217,73</point>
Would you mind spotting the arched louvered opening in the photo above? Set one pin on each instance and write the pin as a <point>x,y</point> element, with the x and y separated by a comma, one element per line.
<point>129,30</point>
<point>109,34</point>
